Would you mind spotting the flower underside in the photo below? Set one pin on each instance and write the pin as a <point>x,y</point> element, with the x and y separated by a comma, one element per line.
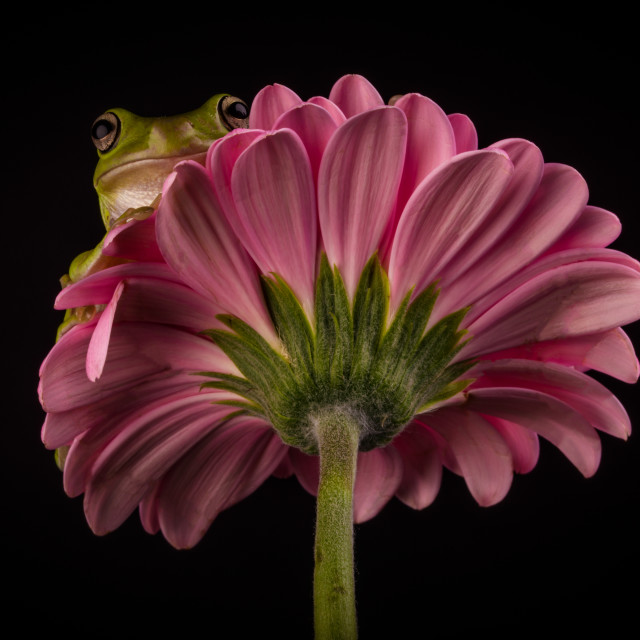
<point>381,375</point>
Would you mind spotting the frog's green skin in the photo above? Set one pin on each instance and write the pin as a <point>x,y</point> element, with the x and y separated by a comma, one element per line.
<point>130,172</point>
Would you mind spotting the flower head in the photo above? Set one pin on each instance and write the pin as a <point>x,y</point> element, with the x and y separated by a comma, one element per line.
<point>342,252</point>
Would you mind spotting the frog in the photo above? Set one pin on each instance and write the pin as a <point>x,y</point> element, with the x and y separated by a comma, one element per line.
<point>135,156</point>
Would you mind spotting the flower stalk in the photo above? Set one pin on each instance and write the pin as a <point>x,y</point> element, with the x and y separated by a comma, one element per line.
<point>338,435</point>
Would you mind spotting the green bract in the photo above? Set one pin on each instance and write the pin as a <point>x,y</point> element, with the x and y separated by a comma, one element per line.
<point>382,374</point>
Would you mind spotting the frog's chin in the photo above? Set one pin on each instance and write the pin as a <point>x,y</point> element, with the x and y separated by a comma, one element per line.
<point>137,183</point>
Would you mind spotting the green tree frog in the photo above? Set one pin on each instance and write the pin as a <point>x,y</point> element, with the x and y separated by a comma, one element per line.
<point>135,155</point>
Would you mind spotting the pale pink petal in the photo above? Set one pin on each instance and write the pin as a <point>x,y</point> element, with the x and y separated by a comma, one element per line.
<point>559,200</point>
<point>198,243</point>
<point>354,94</point>
<point>527,172</point>
<point>225,467</point>
<point>140,454</point>
<point>135,240</point>
<point>584,394</point>
<point>575,299</point>
<point>464,132</point>
<point>273,190</point>
<point>445,209</point>
<point>547,416</point>
<point>422,466</point>
<point>221,158</point>
<point>610,352</point>
<point>334,111</point>
<point>314,126</point>
<point>379,474</point>
<point>482,456</point>
<point>99,343</point>
<point>594,227</point>
<point>523,443</point>
<point>269,104</point>
<point>357,187</point>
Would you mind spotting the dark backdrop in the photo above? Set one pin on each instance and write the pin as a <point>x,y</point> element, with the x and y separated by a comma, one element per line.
<point>555,556</point>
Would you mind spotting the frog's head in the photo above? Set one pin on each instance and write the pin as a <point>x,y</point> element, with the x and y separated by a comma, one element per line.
<point>136,154</point>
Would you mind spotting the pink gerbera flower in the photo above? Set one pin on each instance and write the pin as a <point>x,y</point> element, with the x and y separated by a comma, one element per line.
<point>342,258</point>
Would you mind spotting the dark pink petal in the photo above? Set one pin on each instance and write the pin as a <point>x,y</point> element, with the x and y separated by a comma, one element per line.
<point>137,350</point>
<point>558,201</point>
<point>523,444</point>
<point>547,416</point>
<point>225,467</point>
<point>149,511</point>
<point>584,394</point>
<point>482,456</point>
<point>140,454</point>
<point>464,132</point>
<point>334,111</point>
<point>445,209</point>
<point>357,187</point>
<point>198,243</point>
<point>98,288</point>
<point>135,240</point>
<point>307,470</point>
<point>314,126</point>
<point>378,477</point>
<point>354,94</point>
<point>273,190</point>
<point>284,469</point>
<point>575,299</point>
<point>610,352</point>
<point>527,172</point>
<point>422,466</point>
<point>544,264</point>
<point>594,227</point>
<point>99,343</point>
<point>60,428</point>
<point>269,104</point>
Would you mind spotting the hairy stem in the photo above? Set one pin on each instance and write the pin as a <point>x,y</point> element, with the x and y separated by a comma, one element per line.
<point>337,433</point>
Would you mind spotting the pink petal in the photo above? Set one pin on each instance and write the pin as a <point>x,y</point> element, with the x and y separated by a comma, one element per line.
<point>610,352</point>
<point>225,467</point>
<point>422,466</point>
<point>149,511</point>
<point>547,416</point>
<point>464,132</point>
<point>284,469</point>
<point>314,126</point>
<point>559,200</point>
<point>594,227</point>
<point>198,243</point>
<point>575,299</point>
<point>527,172</point>
<point>523,444</point>
<point>273,190</point>
<point>307,470</point>
<point>354,94</point>
<point>379,474</point>
<point>269,104</point>
<point>584,394</point>
<point>334,111</point>
<point>445,209</point>
<point>480,452</point>
<point>357,186</point>
<point>140,454</point>
<point>135,240</point>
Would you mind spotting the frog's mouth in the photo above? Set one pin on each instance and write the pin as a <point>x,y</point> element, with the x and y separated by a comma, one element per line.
<point>137,183</point>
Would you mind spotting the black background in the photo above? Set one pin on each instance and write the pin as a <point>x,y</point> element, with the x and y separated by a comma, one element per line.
<point>559,555</point>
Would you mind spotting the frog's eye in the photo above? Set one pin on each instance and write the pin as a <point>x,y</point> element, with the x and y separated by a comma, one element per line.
<point>234,113</point>
<point>105,131</point>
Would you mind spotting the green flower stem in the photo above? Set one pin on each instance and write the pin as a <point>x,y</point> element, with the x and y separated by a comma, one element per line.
<point>338,436</point>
